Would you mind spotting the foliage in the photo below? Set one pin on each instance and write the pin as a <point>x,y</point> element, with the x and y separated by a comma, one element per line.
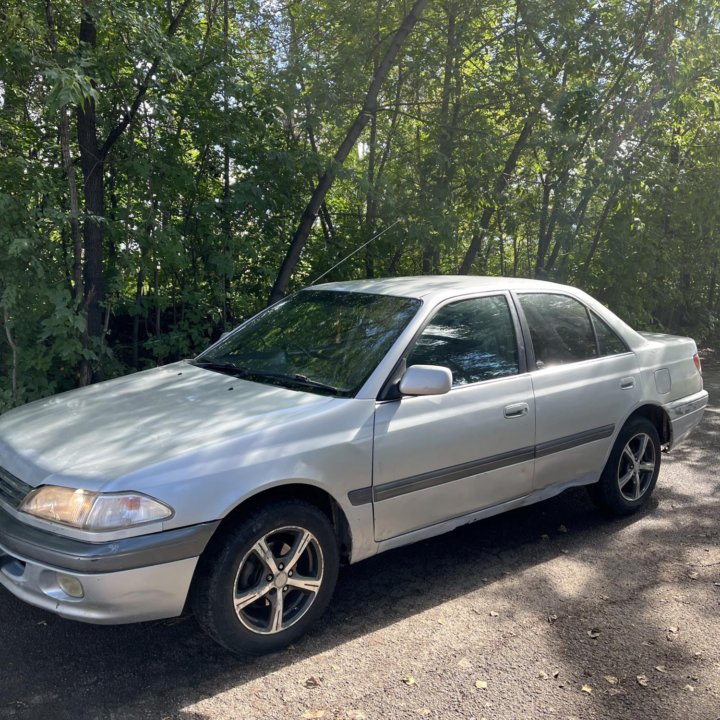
<point>577,140</point>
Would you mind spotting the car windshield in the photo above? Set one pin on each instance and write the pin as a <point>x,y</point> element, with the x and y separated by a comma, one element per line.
<point>322,341</point>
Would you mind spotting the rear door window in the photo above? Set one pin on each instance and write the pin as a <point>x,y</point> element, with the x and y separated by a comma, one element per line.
<point>560,329</point>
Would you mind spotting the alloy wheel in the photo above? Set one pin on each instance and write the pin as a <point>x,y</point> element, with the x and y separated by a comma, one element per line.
<point>278,580</point>
<point>636,467</point>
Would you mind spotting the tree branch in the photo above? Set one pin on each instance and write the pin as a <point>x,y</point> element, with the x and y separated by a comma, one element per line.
<point>369,106</point>
<point>144,86</point>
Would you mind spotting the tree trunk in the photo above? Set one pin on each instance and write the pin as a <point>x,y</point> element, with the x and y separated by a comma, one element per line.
<point>92,163</point>
<point>226,219</point>
<point>607,207</point>
<point>500,184</point>
<point>445,164</point>
<point>13,349</point>
<point>64,133</point>
<point>308,218</point>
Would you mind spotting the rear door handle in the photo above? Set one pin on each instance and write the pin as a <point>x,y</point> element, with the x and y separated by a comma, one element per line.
<point>516,410</point>
<point>627,383</point>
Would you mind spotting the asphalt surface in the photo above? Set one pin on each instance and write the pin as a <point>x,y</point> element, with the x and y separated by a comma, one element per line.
<point>551,611</point>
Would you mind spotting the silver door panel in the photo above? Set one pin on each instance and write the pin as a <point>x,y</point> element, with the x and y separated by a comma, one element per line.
<point>575,403</point>
<point>441,457</point>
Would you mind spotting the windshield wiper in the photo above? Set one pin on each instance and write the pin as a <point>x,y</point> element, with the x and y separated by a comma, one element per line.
<point>250,374</point>
<point>295,378</point>
<point>227,368</point>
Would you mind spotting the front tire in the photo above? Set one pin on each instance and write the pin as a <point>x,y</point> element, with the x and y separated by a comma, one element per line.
<point>268,578</point>
<point>631,471</point>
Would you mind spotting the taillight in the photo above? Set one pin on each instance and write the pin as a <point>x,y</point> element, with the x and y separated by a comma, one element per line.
<point>696,360</point>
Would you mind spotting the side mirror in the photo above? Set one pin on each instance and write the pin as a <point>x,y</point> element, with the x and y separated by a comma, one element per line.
<point>426,380</point>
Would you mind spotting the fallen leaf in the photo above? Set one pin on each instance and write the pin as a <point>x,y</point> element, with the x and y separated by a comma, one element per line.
<point>464,663</point>
<point>481,685</point>
<point>543,675</point>
<point>562,529</point>
<point>441,621</point>
<point>313,682</point>
<point>594,633</point>
<point>672,629</point>
<point>642,680</point>
<point>689,688</point>
<point>493,613</point>
<point>611,679</point>
<point>313,714</point>
<point>408,680</point>
<point>692,575</point>
<point>661,668</point>
<point>587,689</point>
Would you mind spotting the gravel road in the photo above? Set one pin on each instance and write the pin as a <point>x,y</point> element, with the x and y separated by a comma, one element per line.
<point>550,611</point>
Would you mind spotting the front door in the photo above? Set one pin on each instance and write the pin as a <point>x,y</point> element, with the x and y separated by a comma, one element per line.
<point>441,457</point>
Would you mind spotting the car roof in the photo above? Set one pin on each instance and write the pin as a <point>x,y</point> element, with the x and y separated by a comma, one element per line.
<point>438,287</point>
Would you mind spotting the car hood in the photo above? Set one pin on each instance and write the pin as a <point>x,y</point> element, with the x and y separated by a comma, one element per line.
<point>94,435</point>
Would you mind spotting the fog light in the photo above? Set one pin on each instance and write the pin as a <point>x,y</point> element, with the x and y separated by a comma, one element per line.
<point>70,586</point>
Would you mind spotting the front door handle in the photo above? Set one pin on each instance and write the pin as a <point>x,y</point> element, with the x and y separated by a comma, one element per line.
<point>516,410</point>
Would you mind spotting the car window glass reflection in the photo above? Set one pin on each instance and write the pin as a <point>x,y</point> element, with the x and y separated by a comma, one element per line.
<point>315,338</point>
<point>475,339</point>
<point>609,341</point>
<point>559,328</point>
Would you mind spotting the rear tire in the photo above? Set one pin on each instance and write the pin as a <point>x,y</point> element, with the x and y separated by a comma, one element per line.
<point>265,580</point>
<point>631,471</point>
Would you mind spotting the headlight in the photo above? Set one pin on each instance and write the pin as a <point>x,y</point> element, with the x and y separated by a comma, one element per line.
<point>93,511</point>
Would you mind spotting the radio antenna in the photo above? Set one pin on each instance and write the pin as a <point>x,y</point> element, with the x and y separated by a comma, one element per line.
<point>354,252</point>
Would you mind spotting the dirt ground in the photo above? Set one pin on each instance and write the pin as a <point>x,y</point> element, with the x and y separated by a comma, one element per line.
<point>551,611</point>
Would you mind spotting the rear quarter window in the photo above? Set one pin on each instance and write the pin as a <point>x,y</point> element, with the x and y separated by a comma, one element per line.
<point>609,342</point>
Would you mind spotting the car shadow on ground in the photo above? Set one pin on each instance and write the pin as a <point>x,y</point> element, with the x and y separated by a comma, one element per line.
<point>119,671</point>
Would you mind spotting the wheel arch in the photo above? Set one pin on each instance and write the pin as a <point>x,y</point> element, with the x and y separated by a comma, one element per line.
<point>312,494</point>
<point>657,415</point>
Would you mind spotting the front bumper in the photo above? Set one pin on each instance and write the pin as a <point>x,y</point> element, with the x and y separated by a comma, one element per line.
<point>131,580</point>
<point>685,414</point>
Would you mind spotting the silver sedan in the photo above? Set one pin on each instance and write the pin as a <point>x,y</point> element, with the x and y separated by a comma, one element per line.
<point>348,419</point>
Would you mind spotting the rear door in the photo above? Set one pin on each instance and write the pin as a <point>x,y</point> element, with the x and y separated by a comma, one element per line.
<point>586,382</point>
<point>441,457</point>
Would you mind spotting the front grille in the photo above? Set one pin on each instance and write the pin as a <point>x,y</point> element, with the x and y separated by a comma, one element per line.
<point>12,489</point>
